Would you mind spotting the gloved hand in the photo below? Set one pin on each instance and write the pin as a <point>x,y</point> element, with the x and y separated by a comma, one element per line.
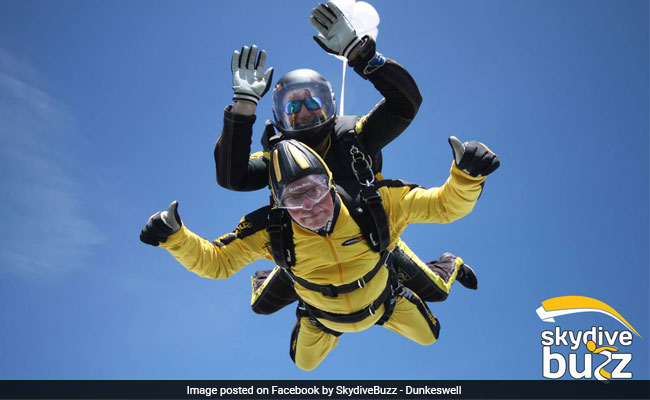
<point>161,225</point>
<point>336,34</point>
<point>474,157</point>
<point>249,81</point>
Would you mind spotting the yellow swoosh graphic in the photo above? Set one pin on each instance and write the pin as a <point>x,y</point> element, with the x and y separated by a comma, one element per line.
<point>575,304</point>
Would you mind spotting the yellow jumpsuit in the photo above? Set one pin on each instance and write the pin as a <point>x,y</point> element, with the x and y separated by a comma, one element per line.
<point>324,259</point>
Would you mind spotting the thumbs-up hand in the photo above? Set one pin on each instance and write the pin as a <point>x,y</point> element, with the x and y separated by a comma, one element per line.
<point>474,158</point>
<point>161,225</point>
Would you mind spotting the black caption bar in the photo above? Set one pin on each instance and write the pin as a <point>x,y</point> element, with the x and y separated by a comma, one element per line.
<point>259,389</point>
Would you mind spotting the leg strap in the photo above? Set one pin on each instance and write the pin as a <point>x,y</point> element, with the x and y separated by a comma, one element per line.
<point>302,312</point>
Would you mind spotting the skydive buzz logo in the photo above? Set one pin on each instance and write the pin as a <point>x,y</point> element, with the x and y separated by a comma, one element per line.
<point>597,341</point>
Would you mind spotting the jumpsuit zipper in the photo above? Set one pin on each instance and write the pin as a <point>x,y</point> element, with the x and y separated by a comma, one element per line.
<point>330,243</point>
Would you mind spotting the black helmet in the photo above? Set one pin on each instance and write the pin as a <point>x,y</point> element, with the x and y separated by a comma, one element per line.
<point>304,88</point>
<point>291,160</point>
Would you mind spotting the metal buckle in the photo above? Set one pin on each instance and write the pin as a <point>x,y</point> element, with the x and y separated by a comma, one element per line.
<point>357,156</point>
<point>372,239</point>
<point>389,256</point>
<point>361,283</point>
<point>371,310</point>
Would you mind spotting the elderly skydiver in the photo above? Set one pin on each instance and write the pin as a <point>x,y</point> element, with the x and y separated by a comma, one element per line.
<point>341,288</point>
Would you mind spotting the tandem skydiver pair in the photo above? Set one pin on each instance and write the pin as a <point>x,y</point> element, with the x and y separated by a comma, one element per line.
<point>334,224</point>
<point>304,109</point>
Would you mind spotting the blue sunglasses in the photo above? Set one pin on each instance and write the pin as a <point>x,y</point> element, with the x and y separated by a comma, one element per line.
<point>312,103</point>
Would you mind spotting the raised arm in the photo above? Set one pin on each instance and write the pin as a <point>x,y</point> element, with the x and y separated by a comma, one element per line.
<point>402,99</point>
<point>394,113</point>
<point>473,161</point>
<point>236,168</point>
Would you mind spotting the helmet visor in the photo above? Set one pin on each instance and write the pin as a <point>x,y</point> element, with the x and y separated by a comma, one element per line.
<point>303,105</point>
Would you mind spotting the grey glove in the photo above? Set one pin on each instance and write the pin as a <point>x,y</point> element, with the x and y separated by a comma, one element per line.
<point>336,34</point>
<point>249,81</point>
<point>474,158</point>
<point>161,225</point>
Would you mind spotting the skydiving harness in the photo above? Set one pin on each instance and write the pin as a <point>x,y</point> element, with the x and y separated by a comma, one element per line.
<point>363,201</point>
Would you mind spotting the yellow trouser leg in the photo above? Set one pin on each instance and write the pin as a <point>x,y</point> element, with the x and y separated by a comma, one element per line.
<point>412,319</point>
<point>310,345</point>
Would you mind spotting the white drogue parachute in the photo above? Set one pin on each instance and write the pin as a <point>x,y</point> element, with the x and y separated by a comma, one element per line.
<point>365,20</point>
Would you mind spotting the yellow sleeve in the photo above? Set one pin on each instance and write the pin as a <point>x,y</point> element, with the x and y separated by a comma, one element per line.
<point>219,259</point>
<point>452,201</point>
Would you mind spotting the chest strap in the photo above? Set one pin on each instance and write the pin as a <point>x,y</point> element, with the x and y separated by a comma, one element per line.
<point>333,291</point>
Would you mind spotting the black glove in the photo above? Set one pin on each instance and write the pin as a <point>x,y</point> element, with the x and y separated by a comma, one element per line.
<point>474,157</point>
<point>161,225</point>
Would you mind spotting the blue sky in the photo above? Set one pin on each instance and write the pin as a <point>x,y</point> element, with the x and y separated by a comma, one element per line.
<point>110,110</point>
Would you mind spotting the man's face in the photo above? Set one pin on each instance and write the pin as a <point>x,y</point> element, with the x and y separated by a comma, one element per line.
<point>316,204</point>
<point>304,117</point>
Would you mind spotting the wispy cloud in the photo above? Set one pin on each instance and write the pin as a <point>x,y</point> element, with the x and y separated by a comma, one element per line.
<point>44,229</point>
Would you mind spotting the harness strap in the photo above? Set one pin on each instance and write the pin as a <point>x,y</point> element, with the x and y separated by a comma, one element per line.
<point>281,238</point>
<point>361,165</point>
<point>395,183</point>
<point>302,312</point>
<point>333,291</point>
<point>372,199</point>
<point>355,317</point>
<point>389,305</point>
<point>359,214</point>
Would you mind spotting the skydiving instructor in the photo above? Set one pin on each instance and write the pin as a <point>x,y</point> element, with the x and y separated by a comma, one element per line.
<point>304,109</point>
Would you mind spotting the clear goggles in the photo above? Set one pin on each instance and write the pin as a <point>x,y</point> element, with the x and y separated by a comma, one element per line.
<point>314,189</point>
